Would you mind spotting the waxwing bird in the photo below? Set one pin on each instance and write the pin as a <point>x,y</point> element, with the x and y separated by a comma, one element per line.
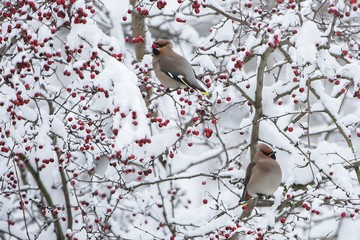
<point>263,175</point>
<point>173,70</point>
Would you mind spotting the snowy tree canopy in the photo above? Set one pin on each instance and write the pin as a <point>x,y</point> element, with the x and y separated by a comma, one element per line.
<point>92,146</point>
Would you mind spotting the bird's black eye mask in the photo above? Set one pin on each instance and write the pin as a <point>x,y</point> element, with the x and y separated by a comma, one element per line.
<point>158,45</point>
<point>272,155</point>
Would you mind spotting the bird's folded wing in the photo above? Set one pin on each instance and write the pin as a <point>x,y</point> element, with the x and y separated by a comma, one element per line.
<point>247,178</point>
<point>178,77</point>
<point>179,69</point>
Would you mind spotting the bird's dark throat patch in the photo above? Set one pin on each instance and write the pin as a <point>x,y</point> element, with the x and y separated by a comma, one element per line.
<point>155,51</point>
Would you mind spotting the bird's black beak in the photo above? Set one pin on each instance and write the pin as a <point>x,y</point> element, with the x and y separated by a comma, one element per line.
<point>272,155</point>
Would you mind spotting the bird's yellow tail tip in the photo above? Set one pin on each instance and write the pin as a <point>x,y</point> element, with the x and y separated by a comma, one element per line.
<point>244,206</point>
<point>205,93</point>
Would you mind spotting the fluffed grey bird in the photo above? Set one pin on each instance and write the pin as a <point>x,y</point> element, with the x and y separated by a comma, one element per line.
<point>173,70</point>
<point>263,175</point>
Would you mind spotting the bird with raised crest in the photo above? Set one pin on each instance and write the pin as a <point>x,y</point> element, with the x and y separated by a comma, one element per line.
<point>263,175</point>
<point>173,70</point>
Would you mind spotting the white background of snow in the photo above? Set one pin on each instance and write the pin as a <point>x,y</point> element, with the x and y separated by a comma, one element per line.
<point>306,41</point>
<point>125,82</point>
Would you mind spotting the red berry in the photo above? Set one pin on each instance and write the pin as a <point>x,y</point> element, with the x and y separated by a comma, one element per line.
<point>115,131</point>
<point>208,132</point>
